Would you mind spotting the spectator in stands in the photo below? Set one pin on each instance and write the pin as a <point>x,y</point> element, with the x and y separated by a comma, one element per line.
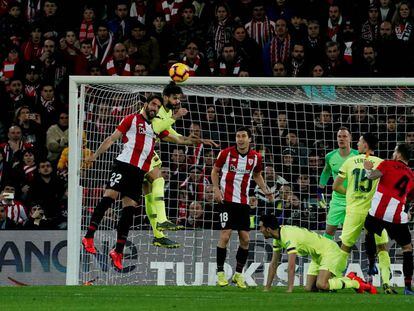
<point>14,99</point>
<point>298,29</point>
<point>403,22</point>
<point>335,66</point>
<point>86,30</point>
<point>31,83</point>
<point>387,10</point>
<point>388,136</point>
<point>5,222</point>
<point>230,64</point>
<point>13,27</point>
<point>143,48</point>
<point>102,43</point>
<point>84,59</point>
<point>119,64</point>
<point>50,23</point>
<point>195,216</point>
<point>195,154</point>
<point>274,182</point>
<point>261,130</point>
<point>220,31</point>
<point>314,42</point>
<point>334,23</point>
<point>164,36</point>
<point>297,65</point>
<point>57,137</point>
<point>279,48</point>
<point>25,172</point>
<point>37,219</point>
<point>279,70</point>
<point>322,134</point>
<point>249,50</point>
<point>195,60</point>
<point>121,24</point>
<point>210,124</point>
<point>15,209</point>
<point>31,49</point>
<point>140,70</point>
<point>15,146</point>
<point>51,199</point>
<point>369,66</point>
<point>370,29</point>
<point>188,28</point>
<point>351,43</point>
<point>30,125</point>
<point>47,105</point>
<point>299,149</point>
<point>301,187</point>
<point>171,10</point>
<point>194,184</point>
<point>178,166</point>
<point>5,169</point>
<point>361,122</point>
<point>260,28</point>
<point>315,164</point>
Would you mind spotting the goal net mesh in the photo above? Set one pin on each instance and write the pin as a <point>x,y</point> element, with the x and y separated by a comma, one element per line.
<point>293,127</point>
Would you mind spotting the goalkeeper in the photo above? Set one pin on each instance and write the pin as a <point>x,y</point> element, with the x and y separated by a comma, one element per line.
<point>333,162</point>
<point>326,267</point>
<point>153,187</point>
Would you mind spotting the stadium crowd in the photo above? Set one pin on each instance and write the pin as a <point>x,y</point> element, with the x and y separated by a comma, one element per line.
<point>42,42</point>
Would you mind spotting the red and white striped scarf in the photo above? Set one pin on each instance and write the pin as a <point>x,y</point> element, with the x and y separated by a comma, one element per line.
<point>279,50</point>
<point>8,69</point>
<point>236,68</point>
<point>33,7</point>
<point>403,31</point>
<point>348,52</point>
<point>334,30</point>
<point>15,211</point>
<point>108,48</point>
<point>261,32</point>
<point>194,66</point>
<point>170,10</point>
<point>48,104</point>
<point>138,11</point>
<point>86,31</point>
<point>30,90</point>
<point>29,172</point>
<point>111,70</point>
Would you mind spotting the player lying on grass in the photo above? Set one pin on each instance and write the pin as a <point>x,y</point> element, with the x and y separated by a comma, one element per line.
<point>326,268</point>
<point>388,207</point>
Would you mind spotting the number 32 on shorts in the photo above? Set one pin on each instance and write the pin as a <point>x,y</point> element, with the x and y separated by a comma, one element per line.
<point>224,217</point>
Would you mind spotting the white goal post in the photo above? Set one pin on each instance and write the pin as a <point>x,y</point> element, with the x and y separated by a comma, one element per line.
<point>372,92</point>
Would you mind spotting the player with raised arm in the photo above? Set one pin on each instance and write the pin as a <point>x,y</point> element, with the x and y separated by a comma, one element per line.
<point>359,194</point>
<point>154,182</point>
<point>333,162</point>
<point>128,172</point>
<point>388,207</point>
<point>325,269</point>
<point>237,165</point>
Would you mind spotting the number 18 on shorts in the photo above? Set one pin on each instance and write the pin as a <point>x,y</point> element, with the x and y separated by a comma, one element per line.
<point>234,216</point>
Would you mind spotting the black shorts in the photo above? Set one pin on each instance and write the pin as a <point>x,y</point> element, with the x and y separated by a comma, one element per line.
<point>234,216</point>
<point>398,232</point>
<point>127,179</point>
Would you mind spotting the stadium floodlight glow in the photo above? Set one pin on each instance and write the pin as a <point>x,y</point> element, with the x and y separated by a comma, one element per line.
<point>97,102</point>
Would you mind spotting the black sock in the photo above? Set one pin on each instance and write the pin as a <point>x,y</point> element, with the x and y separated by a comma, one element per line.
<point>98,214</point>
<point>371,248</point>
<point>408,268</point>
<point>241,258</point>
<point>221,258</point>
<point>125,222</point>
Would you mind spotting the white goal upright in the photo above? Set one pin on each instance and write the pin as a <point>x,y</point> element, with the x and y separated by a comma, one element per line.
<point>294,123</point>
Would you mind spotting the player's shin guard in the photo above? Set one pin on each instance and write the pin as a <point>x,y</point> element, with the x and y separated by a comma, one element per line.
<point>241,258</point>
<point>152,216</point>
<point>341,283</point>
<point>385,266</point>
<point>408,268</point>
<point>158,199</point>
<point>98,214</point>
<point>125,222</point>
<point>221,258</point>
<point>371,249</point>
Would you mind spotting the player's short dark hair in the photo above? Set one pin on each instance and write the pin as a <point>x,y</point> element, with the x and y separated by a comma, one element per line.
<point>245,129</point>
<point>172,88</point>
<point>405,151</point>
<point>371,140</point>
<point>154,96</point>
<point>270,221</point>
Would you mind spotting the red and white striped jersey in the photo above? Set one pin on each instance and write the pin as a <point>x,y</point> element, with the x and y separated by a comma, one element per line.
<point>15,211</point>
<point>237,173</point>
<point>396,183</point>
<point>139,140</point>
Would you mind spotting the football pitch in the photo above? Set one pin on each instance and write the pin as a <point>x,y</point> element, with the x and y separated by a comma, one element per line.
<point>192,298</point>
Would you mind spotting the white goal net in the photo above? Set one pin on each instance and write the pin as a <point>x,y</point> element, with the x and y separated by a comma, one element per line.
<point>294,124</point>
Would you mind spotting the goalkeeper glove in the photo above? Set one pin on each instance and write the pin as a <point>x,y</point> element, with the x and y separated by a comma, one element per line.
<point>321,198</point>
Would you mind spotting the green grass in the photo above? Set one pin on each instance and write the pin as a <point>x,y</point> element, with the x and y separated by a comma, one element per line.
<point>191,298</point>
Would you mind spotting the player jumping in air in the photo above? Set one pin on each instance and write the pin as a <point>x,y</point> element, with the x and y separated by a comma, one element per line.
<point>237,165</point>
<point>388,207</point>
<point>359,194</point>
<point>154,182</point>
<point>128,171</point>
<point>326,267</point>
<point>333,162</point>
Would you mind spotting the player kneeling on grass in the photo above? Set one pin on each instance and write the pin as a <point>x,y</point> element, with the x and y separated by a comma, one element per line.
<point>326,267</point>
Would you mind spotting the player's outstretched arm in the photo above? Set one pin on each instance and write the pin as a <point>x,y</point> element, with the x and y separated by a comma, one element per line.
<point>258,178</point>
<point>272,270</point>
<point>291,272</point>
<point>186,140</point>
<point>106,144</point>
<point>338,185</point>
